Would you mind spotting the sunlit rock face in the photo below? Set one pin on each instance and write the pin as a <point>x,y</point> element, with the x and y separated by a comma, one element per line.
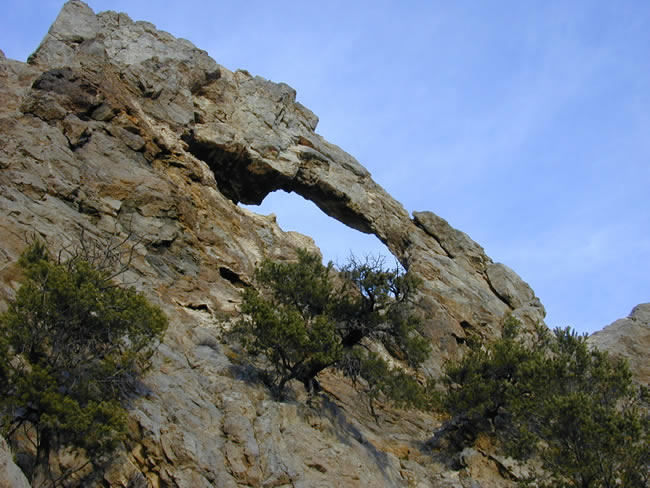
<point>629,338</point>
<point>114,128</point>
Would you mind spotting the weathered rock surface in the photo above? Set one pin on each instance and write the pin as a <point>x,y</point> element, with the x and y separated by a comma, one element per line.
<point>10,475</point>
<point>629,338</point>
<point>114,127</point>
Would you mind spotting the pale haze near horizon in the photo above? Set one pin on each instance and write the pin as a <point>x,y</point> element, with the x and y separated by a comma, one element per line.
<point>524,124</point>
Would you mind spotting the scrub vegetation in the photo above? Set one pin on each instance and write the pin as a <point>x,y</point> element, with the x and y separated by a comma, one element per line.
<point>551,397</point>
<point>73,344</point>
<point>304,317</point>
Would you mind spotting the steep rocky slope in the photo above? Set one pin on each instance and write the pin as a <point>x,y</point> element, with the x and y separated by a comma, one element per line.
<point>114,127</point>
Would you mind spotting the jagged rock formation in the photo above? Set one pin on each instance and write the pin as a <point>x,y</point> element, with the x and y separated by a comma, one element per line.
<point>114,127</point>
<point>629,338</point>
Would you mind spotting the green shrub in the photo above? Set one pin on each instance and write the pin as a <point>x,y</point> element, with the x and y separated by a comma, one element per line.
<point>552,396</point>
<point>306,317</point>
<point>397,385</point>
<point>73,344</point>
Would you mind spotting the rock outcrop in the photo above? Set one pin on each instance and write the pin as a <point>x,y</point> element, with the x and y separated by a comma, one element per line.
<point>10,475</point>
<point>116,128</point>
<point>629,338</point>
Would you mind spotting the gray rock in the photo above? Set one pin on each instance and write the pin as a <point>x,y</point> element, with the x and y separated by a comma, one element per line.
<point>641,313</point>
<point>508,285</point>
<point>456,244</point>
<point>11,475</point>
<point>75,24</point>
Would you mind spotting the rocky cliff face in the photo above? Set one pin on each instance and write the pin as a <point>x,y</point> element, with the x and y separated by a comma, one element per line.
<point>114,127</point>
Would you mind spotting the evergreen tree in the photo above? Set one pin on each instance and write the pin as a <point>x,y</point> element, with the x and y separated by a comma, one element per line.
<point>552,396</point>
<point>72,345</point>
<point>307,317</point>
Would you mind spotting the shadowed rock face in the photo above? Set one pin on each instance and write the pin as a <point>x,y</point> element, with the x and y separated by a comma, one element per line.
<point>115,127</point>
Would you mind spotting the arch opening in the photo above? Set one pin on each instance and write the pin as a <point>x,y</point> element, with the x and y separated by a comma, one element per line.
<point>319,210</point>
<point>336,240</point>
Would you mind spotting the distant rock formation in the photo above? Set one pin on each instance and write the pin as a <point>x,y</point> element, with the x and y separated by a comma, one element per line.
<point>629,338</point>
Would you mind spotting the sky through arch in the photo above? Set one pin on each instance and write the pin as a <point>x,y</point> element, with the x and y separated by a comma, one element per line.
<point>335,239</point>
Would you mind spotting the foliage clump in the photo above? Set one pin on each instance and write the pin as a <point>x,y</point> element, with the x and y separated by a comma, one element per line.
<point>72,345</point>
<point>305,317</point>
<point>552,396</point>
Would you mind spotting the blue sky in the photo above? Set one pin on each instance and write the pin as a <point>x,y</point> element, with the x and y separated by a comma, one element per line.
<point>525,124</point>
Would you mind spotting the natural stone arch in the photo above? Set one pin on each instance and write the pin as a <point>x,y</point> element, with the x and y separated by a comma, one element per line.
<point>328,177</point>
